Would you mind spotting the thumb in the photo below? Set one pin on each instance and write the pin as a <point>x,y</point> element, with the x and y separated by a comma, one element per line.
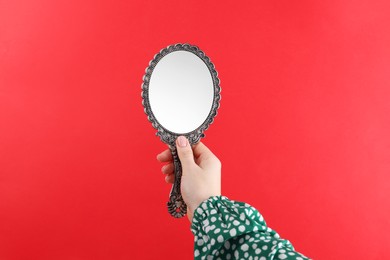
<point>184,151</point>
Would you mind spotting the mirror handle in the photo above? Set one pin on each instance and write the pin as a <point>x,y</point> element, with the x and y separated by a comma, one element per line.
<point>176,205</point>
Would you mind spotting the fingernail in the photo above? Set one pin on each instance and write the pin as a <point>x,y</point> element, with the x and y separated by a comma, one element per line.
<point>182,141</point>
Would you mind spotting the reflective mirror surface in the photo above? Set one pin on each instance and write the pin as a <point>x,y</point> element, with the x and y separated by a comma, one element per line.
<point>181,92</point>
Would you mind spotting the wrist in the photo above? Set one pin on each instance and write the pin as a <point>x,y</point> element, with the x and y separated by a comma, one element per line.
<point>193,206</point>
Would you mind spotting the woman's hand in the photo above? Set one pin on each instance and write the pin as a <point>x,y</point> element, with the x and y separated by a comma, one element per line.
<point>201,177</point>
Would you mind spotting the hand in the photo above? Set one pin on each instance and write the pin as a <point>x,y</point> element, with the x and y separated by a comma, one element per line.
<point>201,176</point>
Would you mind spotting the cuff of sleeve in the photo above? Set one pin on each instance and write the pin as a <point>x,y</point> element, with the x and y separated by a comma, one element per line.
<point>235,218</point>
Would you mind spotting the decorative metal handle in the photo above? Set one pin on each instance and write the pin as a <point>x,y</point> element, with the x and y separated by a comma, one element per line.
<point>176,205</point>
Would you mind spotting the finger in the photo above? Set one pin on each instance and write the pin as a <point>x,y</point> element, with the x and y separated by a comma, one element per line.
<point>170,178</point>
<point>203,155</point>
<point>200,148</point>
<point>165,156</point>
<point>184,151</point>
<point>168,168</point>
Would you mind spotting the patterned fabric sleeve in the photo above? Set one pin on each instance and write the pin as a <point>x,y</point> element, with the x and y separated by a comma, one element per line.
<point>225,229</point>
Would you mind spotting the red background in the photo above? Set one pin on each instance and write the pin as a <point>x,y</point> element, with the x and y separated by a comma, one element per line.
<point>302,132</point>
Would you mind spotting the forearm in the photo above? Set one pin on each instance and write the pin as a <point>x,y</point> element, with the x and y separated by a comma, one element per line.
<point>229,229</point>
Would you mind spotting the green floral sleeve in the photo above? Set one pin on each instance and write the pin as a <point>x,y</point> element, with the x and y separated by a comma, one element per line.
<point>225,229</point>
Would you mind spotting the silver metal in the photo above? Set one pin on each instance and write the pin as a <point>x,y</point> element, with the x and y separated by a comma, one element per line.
<point>176,205</point>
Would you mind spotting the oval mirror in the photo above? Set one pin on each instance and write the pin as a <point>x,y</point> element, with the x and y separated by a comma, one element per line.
<point>181,95</point>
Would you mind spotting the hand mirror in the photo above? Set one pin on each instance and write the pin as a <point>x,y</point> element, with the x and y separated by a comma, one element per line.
<point>181,95</point>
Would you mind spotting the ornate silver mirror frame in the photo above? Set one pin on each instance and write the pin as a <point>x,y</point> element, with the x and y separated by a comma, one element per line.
<point>176,206</point>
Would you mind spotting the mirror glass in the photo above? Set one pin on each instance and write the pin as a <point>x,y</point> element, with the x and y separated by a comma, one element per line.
<point>181,92</point>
